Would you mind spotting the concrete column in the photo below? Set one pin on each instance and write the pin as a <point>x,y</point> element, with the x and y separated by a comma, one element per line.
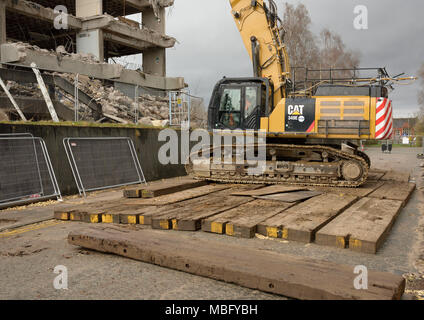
<point>154,59</point>
<point>90,41</point>
<point>2,23</point>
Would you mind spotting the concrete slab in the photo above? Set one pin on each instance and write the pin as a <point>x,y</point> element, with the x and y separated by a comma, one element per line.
<point>47,61</point>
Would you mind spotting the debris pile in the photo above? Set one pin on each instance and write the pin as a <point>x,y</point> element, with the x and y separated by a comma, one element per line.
<point>27,90</point>
<point>116,106</point>
<point>149,110</point>
<point>23,47</point>
<point>83,57</point>
<point>115,103</point>
<point>3,116</point>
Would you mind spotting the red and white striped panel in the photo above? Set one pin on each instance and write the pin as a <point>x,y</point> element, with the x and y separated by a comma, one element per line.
<point>384,119</point>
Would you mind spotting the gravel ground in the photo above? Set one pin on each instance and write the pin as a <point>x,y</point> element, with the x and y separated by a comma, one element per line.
<point>28,258</point>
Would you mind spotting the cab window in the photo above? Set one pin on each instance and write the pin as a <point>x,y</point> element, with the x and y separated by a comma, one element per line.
<point>230,107</point>
<point>251,101</point>
<point>230,100</point>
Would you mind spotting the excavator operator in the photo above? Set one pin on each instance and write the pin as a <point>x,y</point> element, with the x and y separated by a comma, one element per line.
<point>250,102</point>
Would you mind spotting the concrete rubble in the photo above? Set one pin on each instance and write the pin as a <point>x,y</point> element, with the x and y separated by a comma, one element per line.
<point>60,52</point>
<point>27,90</point>
<point>116,104</point>
<point>152,110</point>
<point>156,4</point>
<point>3,116</point>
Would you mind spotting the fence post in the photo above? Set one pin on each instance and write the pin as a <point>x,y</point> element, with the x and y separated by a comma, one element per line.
<point>76,97</point>
<point>136,99</point>
<point>170,107</point>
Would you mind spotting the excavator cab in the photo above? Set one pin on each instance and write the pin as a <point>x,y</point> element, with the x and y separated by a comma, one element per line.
<point>239,103</point>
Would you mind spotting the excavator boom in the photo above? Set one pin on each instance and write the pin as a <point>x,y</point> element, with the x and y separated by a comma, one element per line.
<point>261,31</point>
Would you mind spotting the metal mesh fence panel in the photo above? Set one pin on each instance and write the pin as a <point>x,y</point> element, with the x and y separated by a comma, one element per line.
<point>26,172</point>
<point>179,108</point>
<point>100,163</point>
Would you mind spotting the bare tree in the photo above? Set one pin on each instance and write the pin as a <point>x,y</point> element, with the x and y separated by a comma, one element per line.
<point>306,50</point>
<point>421,91</point>
<point>419,127</point>
<point>198,113</point>
<point>300,41</point>
<point>334,55</point>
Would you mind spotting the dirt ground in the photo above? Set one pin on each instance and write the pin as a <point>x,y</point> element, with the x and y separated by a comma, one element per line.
<point>32,245</point>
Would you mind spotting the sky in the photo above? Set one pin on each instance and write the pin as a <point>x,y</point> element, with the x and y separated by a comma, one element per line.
<point>210,47</point>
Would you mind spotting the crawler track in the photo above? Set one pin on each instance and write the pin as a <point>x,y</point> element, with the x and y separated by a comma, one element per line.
<point>285,164</point>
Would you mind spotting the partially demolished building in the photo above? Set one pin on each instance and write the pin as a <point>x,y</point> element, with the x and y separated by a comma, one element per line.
<point>73,43</point>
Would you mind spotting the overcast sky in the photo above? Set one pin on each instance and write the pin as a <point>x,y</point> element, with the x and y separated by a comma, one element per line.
<point>209,44</point>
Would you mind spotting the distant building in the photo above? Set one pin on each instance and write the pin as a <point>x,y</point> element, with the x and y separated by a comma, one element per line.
<point>403,127</point>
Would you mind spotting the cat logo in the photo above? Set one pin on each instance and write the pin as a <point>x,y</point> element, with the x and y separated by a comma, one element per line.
<point>299,115</point>
<point>295,110</point>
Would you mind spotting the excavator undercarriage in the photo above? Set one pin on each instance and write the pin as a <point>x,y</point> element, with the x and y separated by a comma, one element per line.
<point>284,164</point>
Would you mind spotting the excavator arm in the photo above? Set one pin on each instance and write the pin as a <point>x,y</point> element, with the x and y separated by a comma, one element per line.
<point>262,34</point>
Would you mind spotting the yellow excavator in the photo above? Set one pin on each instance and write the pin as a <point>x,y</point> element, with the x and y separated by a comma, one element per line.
<point>311,124</point>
